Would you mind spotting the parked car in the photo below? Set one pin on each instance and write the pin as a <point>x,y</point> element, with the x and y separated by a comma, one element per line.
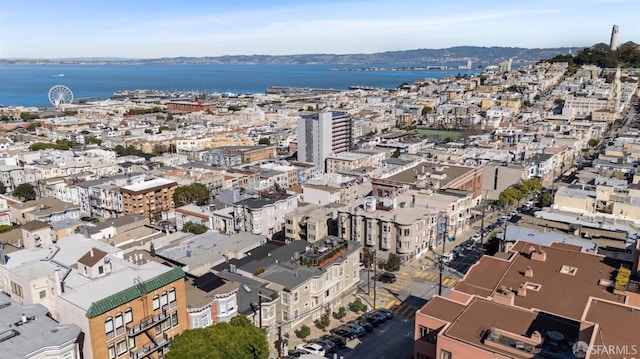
<point>361,266</point>
<point>387,277</point>
<point>295,353</point>
<point>375,320</point>
<point>344,332</point>
<point>312,348</point>
<point>385,312</point>
<point>338,340</point>
<point>359,330</point>
<point>368,327</point>
<point>328,345</point>
<point>372,317</point>
<point>513,213</point>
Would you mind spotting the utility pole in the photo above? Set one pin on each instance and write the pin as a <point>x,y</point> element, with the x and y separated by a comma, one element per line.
<point>374,278</point>
<point>368,271</point>
<point>280,344</point>
<point>443,223</point>
<point>484,205</point>
<point>260,309</point>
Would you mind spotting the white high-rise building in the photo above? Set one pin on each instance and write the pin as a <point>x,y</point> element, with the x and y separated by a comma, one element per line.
<point>323,134</point>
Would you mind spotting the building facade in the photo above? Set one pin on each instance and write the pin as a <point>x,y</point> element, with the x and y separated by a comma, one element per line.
<point>150,199</point>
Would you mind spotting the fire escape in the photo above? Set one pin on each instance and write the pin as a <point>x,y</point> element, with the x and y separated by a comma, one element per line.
<point>146,325</point>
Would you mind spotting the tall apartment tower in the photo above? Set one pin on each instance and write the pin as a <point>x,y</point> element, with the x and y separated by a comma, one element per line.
<point>614,38</point>
<point>323,134</point>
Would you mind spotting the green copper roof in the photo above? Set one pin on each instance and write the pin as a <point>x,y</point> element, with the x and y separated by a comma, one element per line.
<point>115,300</point>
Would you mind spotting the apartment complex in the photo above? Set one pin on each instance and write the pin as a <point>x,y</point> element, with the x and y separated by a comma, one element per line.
<point>150,199</point>
<point>310,222</point>
<point>323,134</point>
<point>123,308</point>
<point>517,305</point>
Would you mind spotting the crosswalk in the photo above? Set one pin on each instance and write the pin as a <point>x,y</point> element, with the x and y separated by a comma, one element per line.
<point>405,310</point>
<point>435,277</point>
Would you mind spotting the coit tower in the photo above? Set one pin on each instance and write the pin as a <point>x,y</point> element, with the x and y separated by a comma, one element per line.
<point>614,38</point>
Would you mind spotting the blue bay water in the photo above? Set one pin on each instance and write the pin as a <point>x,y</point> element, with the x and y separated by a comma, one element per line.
<point>28,85</point>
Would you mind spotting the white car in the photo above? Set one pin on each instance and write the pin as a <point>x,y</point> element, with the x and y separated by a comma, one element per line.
<point>513,213</point>
<point>311,348</point>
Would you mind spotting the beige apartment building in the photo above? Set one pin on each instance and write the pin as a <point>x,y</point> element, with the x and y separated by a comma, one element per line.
<point>310,222</point>
<point>149,199</point>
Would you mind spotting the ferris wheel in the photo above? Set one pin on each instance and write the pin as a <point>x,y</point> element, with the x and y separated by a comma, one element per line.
<point>60,95</point>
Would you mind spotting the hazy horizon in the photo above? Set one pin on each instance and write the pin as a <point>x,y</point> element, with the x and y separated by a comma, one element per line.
<point>40,29</point>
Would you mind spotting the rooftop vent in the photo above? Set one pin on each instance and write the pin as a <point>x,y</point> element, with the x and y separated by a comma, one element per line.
<point>568,270</point>
<point>528,272</point>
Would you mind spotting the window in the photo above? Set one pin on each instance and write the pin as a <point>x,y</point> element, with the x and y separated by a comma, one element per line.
<point>108,325</point>
<point>341,271</point>
<point>285,298</point>
<point>121,347</point>
<point>164,299</point>
<point>172,295</point>
<point>156,302</point>
<point>128,315</point>
<point>16,289</point>
<point>285,315</point>
<point>112,351</point>
<point>100,270</point>
<point>132,342</point>
<point>158,329</point>
<point>166,324</point>
<point>43,294</point>
<point>119,322</point>
<point>174,319</point>
<point>227,306</point>
<point>296,314</point>
<point>295,297</point>
<point>445,354</point>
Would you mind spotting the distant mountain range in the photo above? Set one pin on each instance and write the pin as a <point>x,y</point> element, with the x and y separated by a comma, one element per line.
<point>460,54</point>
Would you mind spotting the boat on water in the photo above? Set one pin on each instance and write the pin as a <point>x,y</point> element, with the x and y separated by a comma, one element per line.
<point>58,75</point>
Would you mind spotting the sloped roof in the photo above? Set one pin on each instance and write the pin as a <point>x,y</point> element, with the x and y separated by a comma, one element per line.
<point>92,257</point>
<point>115,300</point>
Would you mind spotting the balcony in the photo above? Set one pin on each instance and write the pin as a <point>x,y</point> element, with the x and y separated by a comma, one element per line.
<point>150,348</point>
<point>147,323</point>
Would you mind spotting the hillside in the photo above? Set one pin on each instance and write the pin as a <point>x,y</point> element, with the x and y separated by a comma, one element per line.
<point>461,54</point>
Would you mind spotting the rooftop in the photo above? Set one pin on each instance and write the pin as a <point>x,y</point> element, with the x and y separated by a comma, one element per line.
<point>23,340</point>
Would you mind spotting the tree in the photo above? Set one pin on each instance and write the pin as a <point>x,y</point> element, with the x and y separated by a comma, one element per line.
<point>194,193</point>
<point>324,322</point>
<point>492,246</point>
<point>119,149</point>
<point>33,125</point>
<point>194,228</point>
<point>367,257</point>
<point>593,142</point>
<point>546,199</point>
<point>393,262</point>
<point>6,228</point>
<point>341,313</point>
<point>395,154</point>
<point>303,332</point>
<point>3,189</point>
<point>237,339</point>
<point>25,191</point>
<point>357,306</point>
<point>426,110</point>
<point>264,141</point>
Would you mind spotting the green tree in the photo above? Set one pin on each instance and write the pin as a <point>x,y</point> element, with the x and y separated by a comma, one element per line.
<point>324,322</point>
<point>194,228</point>
<point>367,257</point>
<point>357,306</point>
<point>303,332</point>
<point>426,110</point>
<point>237,339</point>
<point>492,246</point>
<point>119,149</point>
<point>127,133</point>
<point>593,142</point>
<point>194,193</point>
<point>393,262</point>
<point>25,191</point>
<point>33,125</point>
<point>546,199</point>
<point>510,195</point>
<point>26,116</point>
<point>395,154</point>
<point>341,313</point>
<point>264,141</point>
<point>6,228</point>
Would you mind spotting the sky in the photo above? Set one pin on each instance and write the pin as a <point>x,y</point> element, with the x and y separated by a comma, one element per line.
<point>169,28</point>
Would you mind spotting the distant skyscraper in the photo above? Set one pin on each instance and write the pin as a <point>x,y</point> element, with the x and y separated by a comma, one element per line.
<point>321,134</point>
<point>614,38</point>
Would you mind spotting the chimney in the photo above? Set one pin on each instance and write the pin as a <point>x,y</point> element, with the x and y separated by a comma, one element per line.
<point>539,255</point>
<point>56,278</point>
<point>528,272</point>
<point>91,251</point>
<point>522,291</point>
